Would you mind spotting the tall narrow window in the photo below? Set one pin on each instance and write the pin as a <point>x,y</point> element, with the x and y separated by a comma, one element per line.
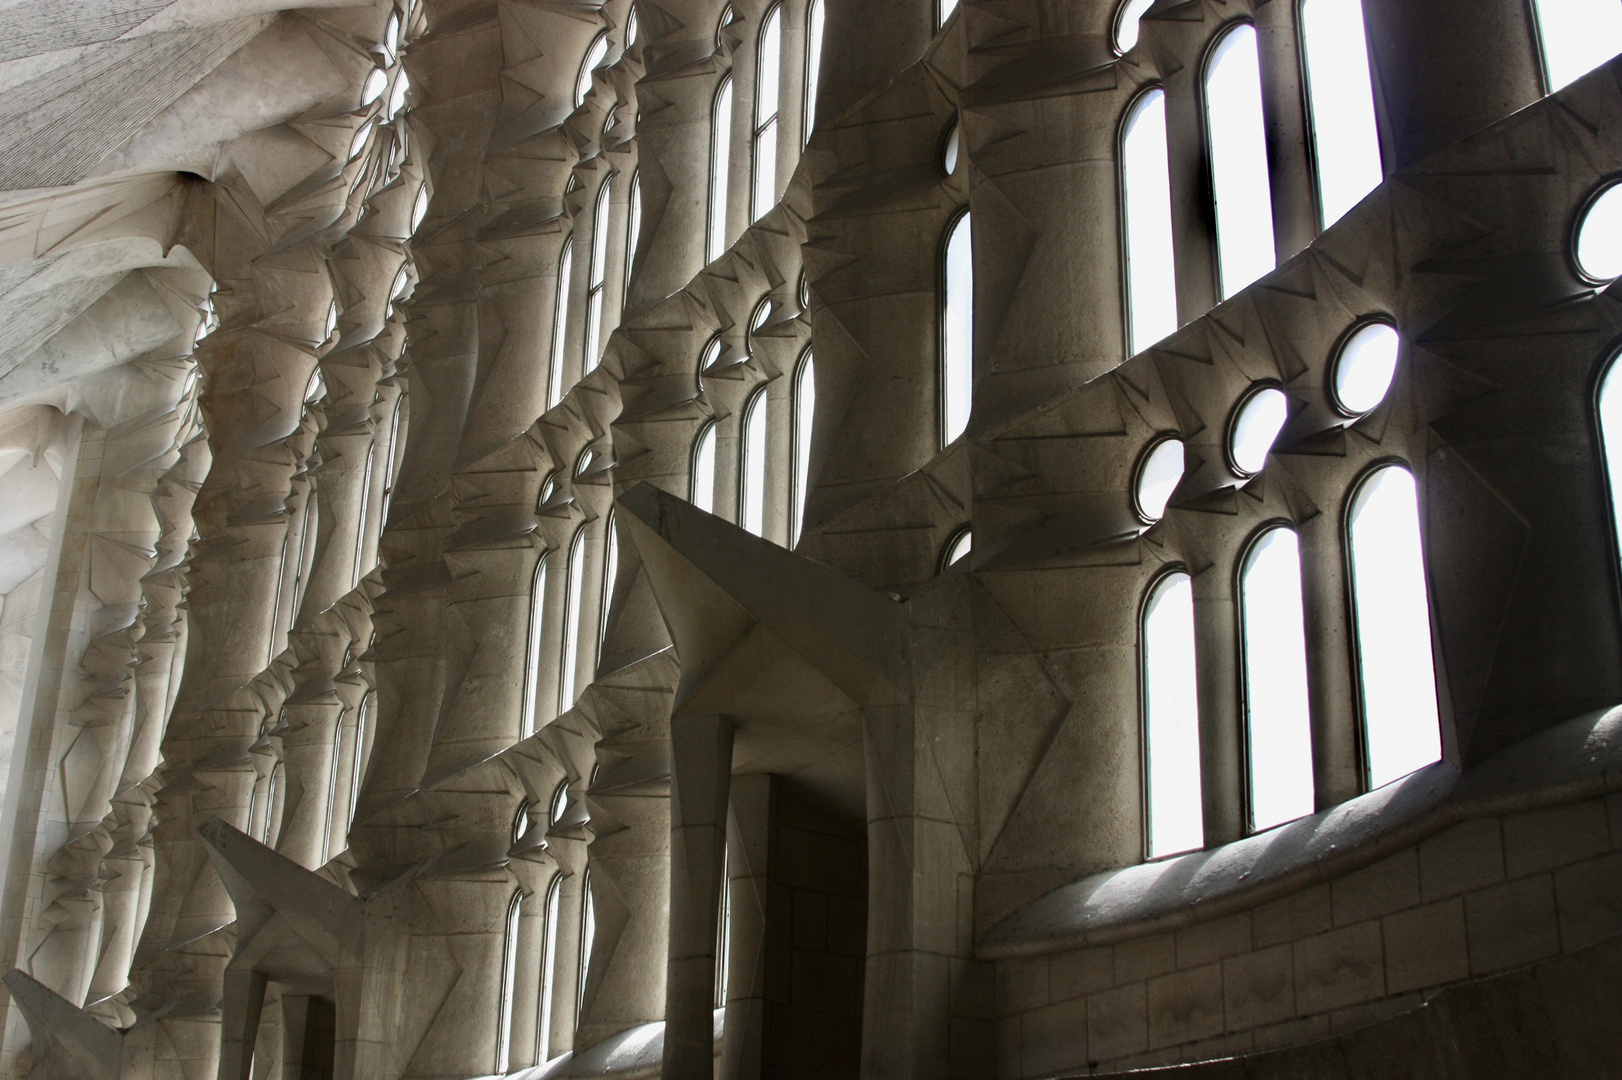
<point>768,91</point>
<point>594,56</point>
<point>1577,36</point>
<point>1401,728</point>
<point>723,931</point>
<point>572,621</point>
<point>815,17</point>
<point>703,493</point>
<point>560,324</point>
<point>549,975</point>
<point>527,721</point>
<point>358,759</point>
<point>363,517</point>
<point>1151,280</point>
<point>720,159</point>
<point>611,569</point>
<point>1239,182</point>
<point>588,938</point>
<point>943,11</point>
<point>334,771</point>
<point>597,280</point>
<point>509,983</point>
<point>273,793</point>
<point>1278,731</point>
<point>1341,92</point>
<point>633,231</point>
<point>957,330</point>
<point>752,490</point>
<point>805,412</point>
<point>1171,719</point>
<point>391,462</point>
<point>309,522</point>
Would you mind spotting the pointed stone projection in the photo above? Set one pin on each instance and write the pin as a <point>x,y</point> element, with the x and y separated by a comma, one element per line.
<point>69,1043</point>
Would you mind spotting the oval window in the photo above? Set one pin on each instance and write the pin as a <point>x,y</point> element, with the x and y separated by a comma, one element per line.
<point>1126,24</point>
<point>1364,367</point>
<point>1599,237</point>
<point>1159,473</point>
<point>949,151</point>
<point>958,548</point>
<point>1256,423</point>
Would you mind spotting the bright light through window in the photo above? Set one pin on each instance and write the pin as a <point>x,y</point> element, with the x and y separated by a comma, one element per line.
<point>1255,426</point>
<point>1158,476</point>
<point>720,158</point>
<point>1401,728</point>
<point>957,332</point>
<point>549,954</point>
<point>944,11</point>
<point>1244,201</point>
<point>1172,719</point>
<point>949,155</point>
<point>805,411</point>
<point>768,91</point>
<point>1344,134</point>
<point>1126,24</point>
<point>959,548</point>
<point>594,56</point>
<point>597,280</point>
<point>532,657</point>
<point>1610,423</point>
<point>572,621</point>
<point>1365,366</point>
<point>1277,725</point>
<point>633,229</point>
<point>703,493</point>
<point>813,65</point>
<point>1599,237</point>
<point>560,324</point>
<point>1577,37</point>
<point>752,514</point>
<point>1151,285</point>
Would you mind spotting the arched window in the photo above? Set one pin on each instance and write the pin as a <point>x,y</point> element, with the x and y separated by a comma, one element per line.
<point>549,980</point>
<point>805,412</point>
<point>273,794</point>
<point>752,489</point>
<point>334,772</point>
<point>1345,140</point>
<point>304,539</point>
<point>560,324</point>
<point>957,329</point>
<point>633,232</point>
<point>1171,719</point>
<point>703,492</point>
<point>720,159</point>
<point>509,982</point>
<point>1127,21</point>
<point>588,938</point>
<point>959,546</point>
<point>1238,145</point>
<point>597,279</point>
<point>611,569</point>
<point>1278,730</point>
<point>527,722</point>
<point>768,92</point>
<point>1576,37</point>
<point>1151,285</point>
<point>594,56</point>
<point>723,931</point>
<point>363,517</point>
<point>1401,727</point>
<point>572,621</point>
<point>392,451</point>
<point>815,18</point>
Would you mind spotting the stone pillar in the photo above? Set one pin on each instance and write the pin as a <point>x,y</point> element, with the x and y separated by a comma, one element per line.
<point>240,1007</point>
<point>1216,647</point>
<point>749,879</point>
<point>1289,156</point>
<point>1337,773</point>
<point>1192,222</point>
<point>700,778</point>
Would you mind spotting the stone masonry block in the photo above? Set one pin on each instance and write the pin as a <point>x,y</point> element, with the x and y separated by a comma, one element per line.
<point>1054,1038</point>
<point>1392,884</point>
<point>1559,836</point>
<point>1340,968</point>
<point>1426,946</point>
<point>1290,1032</point>
<point>1589,897</point>
<point>1213,941</point>
<point>1511,924</point>
<point>1022,985</point>
<point>1466,857</point>
<point>1259,988</point>
<point>1185,1006</point>
<point>1302,915</point>
<point>1084,972</point>
<point>1145,958</point>
<point>1117,1023</point>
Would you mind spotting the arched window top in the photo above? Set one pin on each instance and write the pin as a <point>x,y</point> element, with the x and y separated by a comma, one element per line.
<point>373,88</point>
<point>560,803</point>
<point>632,27</point>
<point>703,490</point>
<point>419,208</point>
<point>709,356</point>
<point>949,148</point>
<point>1364,366</point>
<point>1576,37</point>
<point>769,63</point>
<point>584,462</point>
<point>1151,273</point>
<point>804,292</point>
<point>752,488</point>
<point>1597,240</point>
<point>720,162</point>
<point>1257,420</point>
<point>1127,20</point>
<point>521,821</point>
<point>957,328</point>
<point>728,17</point>
<point>1171,719</point>
<point>805,411</point>
<point>1278,730</point>
<point>549,487</point>
<point>509,981</point>
<point>1238,151</point>
<point>316,389</point>
<point>959,546</point>
<point>594,56</point>
<point>1159,472</point>
<point>758,317</point>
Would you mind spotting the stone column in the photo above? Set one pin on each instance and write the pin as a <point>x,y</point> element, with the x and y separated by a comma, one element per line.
<point>240,1007</point>
<point>700,778</point>
<point>1192,221</point>
<point>1216,647</point>
<point>1289,157</point>
<point>1337,773</point>
<point>749,878</point>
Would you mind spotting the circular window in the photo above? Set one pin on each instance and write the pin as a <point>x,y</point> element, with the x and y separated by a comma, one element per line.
<point>1126,24</point>
<point>1256,423</point>
<point>1159,473</point>
<point>1599,237</point>
<point>949,149</point>
<point>1364,366</point>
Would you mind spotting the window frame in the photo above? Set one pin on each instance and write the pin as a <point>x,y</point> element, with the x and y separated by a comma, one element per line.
<point>706,430</point>
<point>759,398</point>
<point>602,223</point>
<point>1255,389</point>
<point>1128,114</point>
<point>941,297</point>
<point>1338,350</point>
<point>719,189</point>
<point>555,390</point>
<point>812,84</point>
<point>1610,360</point>
<point>800,461</point>
<point>1574,227</point>
<point>1203,101</point>
<point>757,125</point>
<point>1156,441</point>
<point>942,561</point>
<point>1376,99</point>
<point>1145,596</point>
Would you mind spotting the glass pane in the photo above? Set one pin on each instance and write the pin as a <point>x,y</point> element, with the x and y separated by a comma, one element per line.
<point>532,652</point>
<point>752,513</point>
<point>1158,477</point>
<point>599,235</point>
<point>1244,201</point>
<point>720,158</point>
<point>1126,23</point>
<point>813,66</point>
<point>962,547</point>
<point>633,230</point>
<point>945,11</point>
<point>1401,727</point>
<point>1364,368</point>
<point>1172,719</point>
<point>594,56</point>
<point>949,158</point>
<point>1599,237</point>
<point>1577,36</point>
<point>1344,134</point>
<point>594,330</point>
<point>769,71</point>
<point>703,494</point>
<point>560,325</point>
<point>571,621</point>
<point>1151,281</point>
<point>765,194</point>
<point>805,411</point>
<point>1255,428</point>
<point>1277,715</point>
<point>957,356</point>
